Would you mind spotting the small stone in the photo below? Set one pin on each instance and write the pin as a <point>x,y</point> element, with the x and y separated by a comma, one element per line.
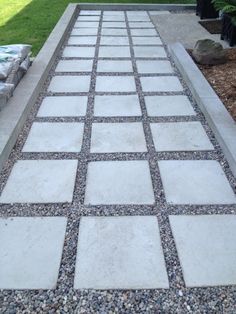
<point>180,293</point>
<point>207,51</point>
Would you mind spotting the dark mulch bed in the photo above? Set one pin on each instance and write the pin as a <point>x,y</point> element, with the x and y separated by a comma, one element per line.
<point>223,79</point>
<point>213,26</point>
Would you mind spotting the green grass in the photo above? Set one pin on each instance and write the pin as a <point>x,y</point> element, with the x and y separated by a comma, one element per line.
<point>31,21</point>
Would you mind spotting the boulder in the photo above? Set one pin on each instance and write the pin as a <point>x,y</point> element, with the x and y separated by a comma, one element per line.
<point>207,51</point>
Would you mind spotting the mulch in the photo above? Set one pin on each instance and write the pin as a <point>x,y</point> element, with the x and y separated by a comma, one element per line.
<point>223,79</point>
<point>213,27</point>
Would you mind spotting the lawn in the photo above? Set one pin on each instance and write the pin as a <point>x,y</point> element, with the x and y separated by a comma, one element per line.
<point>31,21</point>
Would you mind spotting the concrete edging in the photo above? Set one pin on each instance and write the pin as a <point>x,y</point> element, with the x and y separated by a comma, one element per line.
<point>14,115</point>
<point>219,119</point>
<point>135,6</point>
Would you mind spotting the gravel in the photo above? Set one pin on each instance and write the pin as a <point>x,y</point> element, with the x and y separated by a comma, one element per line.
<point>64,299</point>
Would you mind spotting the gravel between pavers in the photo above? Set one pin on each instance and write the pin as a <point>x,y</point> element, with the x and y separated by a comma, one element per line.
<point>64,299</point>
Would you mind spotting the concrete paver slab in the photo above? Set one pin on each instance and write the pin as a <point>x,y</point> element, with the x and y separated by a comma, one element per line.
<point>82,40</point>
<point>113,52</point>
<point>143,32</point>
<point>86,24</point>
<point>115,84</point>
<point>115,106</point>
<point>207,249</point>
<point>180,136</point>
<point>74,66</point>
<point>120,253</point>
<point>84,31</point>
<point>88,18</point>
<point>79,52</point>
<point>113,18</point>
<point>165,106</point>
<point>117,137</point>
<point>30,252</point>
<point>40,181</point>
<point>149,52</point>
<point>195,182</point>
<point>114,25</point>
<point>141,25</point>
<point>161,84</point>
<point>146,66</point>
<point>112,41</point>
<point>114,32</point>
<point>114,66</point>
<point>90,12</point>
<point>63,106</point>
<point>69,84</point>
<point>54,137</point>
<point>119,182</point>
<point>147,41</point>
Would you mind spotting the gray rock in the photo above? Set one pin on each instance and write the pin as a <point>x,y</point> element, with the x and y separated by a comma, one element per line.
<point>207,51</point>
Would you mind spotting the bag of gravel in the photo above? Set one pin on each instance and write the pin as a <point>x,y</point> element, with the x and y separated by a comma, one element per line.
<point>16,51</point>
<point>6,65</point>
<point>5,93</point>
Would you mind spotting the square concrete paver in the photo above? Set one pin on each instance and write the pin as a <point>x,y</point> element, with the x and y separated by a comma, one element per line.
<point>161,84</point>
<point>195,182</point>
<point>74,66</point>
<point>82,40</point>
<point>118,137</point>
<point>141,25</point>
<point>114,66</point>
<point>63,106</point>
<point>113,13</point>
<point>138,18</point>
<point>69,84</point>
<point>143,32</point>
<point>165,106</point>
<point>87,24</point>
<point>84,31</point>
<point>79,52</point>
<point>54,137</point>
<point>149,52</point>
<point>113,52</point>
<point>207,248</point>
<point>120,253</point>
<point>115,84</point>
<point>31,251</point>
<point>115,106</point>
<point>40,181</point>
<point>89,12</point>
<point>146,66</point>
<point>113,18</point>
<point>114,41</point>
<point>119,182</point>
<point>180,136</point>
<point>114,32</point>
<point>147,41</point>
<point>88,18</point>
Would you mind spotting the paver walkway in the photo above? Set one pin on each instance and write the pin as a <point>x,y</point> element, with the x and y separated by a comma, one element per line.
<point>117,182</point>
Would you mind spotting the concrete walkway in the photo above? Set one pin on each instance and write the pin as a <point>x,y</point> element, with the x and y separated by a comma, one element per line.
<point>116,181</point>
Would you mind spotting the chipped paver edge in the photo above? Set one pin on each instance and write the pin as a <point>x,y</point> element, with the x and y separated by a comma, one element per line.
<point>135,6</point>
<point>220,121</point>
<point>13,116</point>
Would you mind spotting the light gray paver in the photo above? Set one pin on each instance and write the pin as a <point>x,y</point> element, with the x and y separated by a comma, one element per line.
<point>143,32</point>
<point>87,24</point>
<point>30,252</point>
<point>149,52</point>
<point>79,52</point>
<point>74,66</point>
<point>90,12</point>
<point>63,106</point>
<point>114,32</point>
<point>195,182</point>
<point>161,84</point>
<point>141,25</point>
<point>84,31</point>
<point>113,52</point>
<point>113,18</point>
<point>113,25</point>
<point>82,40</point>
<point>120,253</point>
<point>146,66</point>
<point>54,137</point>
<point>88,18</point>
<point>118,137</point>
<point>207,248</point>
<point>114,66</point>
<point>180,136</point>
<point>69,84</point>
<point>165,106</point>
<point>114,106</point>
<point>138,18</point>
<point>113,13</point>
<point>115,84</point>
<point>40,181</point>
<point>119,182</point>
<point>112,41</point>
<point>147,41</point>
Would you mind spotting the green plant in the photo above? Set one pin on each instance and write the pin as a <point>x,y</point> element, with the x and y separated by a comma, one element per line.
<point>226,6</point>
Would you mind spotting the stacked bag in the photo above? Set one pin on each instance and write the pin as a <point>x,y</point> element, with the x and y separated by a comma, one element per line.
<point>14,63</point>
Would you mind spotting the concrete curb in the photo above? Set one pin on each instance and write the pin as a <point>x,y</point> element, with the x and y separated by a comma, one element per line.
<point>219,119</point>
<point>135,6</point>
<point>13,116</point>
